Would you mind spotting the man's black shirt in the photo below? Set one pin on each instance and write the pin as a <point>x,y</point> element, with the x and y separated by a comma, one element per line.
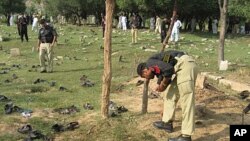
<point>46,34</point>
<point>163,64</point>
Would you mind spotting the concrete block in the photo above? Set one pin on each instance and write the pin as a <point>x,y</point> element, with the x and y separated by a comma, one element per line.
<point>15,52</point>
<point>234,85</point>
<point>200,80</point>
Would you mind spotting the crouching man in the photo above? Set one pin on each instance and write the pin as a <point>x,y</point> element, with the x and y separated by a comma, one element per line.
<point>177,72</point>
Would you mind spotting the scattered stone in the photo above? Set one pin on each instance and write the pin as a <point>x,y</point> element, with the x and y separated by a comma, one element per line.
<point>204,39</point>
<point>15,52</point>
<point>60,57</point>
<point>114,53</point>
<point>200,81</point>
<point>223,65</point>
<point>151,50</point>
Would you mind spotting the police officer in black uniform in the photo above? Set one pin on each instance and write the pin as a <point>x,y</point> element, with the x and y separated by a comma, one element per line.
<point>46,41</point>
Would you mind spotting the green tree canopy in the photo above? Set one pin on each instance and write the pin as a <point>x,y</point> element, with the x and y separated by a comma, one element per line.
<point>240,8</point>
<point>12,6</point>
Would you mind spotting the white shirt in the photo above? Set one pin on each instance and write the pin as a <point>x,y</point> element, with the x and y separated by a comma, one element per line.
<point>35,20</point>
<point>177,25</point>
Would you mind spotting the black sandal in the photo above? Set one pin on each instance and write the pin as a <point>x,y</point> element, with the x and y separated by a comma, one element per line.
<point>25,129</point>
<point>72,126</point>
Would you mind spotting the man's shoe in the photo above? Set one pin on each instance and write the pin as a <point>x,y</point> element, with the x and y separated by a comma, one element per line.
<point>167,126</point>
<point>181,138</point>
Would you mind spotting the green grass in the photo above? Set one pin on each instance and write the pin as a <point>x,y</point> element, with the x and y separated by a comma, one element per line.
<point>90,62</point>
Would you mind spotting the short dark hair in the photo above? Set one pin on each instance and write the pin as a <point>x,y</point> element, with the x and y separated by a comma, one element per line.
<point>42,21</point>
<point>140,68</point>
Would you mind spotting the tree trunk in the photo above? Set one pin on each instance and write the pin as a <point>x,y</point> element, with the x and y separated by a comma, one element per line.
<point>223,16</point>
<point>144,109</point>
<point>165,42</point>
<point>107,74</point>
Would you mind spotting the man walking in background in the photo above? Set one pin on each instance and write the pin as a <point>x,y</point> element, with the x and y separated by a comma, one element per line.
<point>134,23</point>
<point>46,41</point>
<point>23,23</point>
<point>176,30</point>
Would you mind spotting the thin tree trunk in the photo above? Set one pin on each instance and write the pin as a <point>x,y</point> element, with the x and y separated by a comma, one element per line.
<point>145,98</point>
<point>107,74</point>
<point>165,42</point>
<point>223,16</point>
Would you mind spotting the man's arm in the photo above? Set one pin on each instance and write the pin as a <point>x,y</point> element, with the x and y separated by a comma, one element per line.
<point>54,37</point>
<point>54,40</point>
<point>164,84</point>
<point>38,44</point>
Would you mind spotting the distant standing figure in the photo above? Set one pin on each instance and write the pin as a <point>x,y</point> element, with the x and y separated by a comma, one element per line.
<point>11,20</point>
<point>193,24</point>
<point>152,23</point>
<point>23,27</point>
<point>158,25</point>
<point>176,30</point>
<point>35,23</point>
<point>214,26</point>
<point>134,23</point>
<point>103,24</point>
<point>46,40</point>
<point>163,29</point>
<point>210,24</point>
<point>119,22</point>
<point>124,22</point>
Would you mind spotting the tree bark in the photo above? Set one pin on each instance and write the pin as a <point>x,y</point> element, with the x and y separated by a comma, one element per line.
<point>107,74</point>
<point>165,42</point>
<point>223,16</point>
<point>144,109</point>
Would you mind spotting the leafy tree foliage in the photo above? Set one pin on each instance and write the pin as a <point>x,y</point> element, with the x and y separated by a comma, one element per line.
<point>239,8</point>
<point>12,6</point>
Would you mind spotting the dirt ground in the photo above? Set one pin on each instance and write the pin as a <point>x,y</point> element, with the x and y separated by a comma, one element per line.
<point>216,110</point>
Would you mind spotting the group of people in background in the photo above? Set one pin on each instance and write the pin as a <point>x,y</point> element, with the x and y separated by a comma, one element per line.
<point>135,21</point>
<point>22,21</point>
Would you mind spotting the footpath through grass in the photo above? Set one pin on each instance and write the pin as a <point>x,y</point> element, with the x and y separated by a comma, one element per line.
<point>79,52</point>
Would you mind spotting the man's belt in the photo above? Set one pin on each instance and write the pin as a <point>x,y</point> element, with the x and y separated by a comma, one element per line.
<point>167,57</point>
<point>46,42</point>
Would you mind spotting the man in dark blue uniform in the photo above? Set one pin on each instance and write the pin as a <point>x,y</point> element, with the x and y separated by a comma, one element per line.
<point>46,41</point>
